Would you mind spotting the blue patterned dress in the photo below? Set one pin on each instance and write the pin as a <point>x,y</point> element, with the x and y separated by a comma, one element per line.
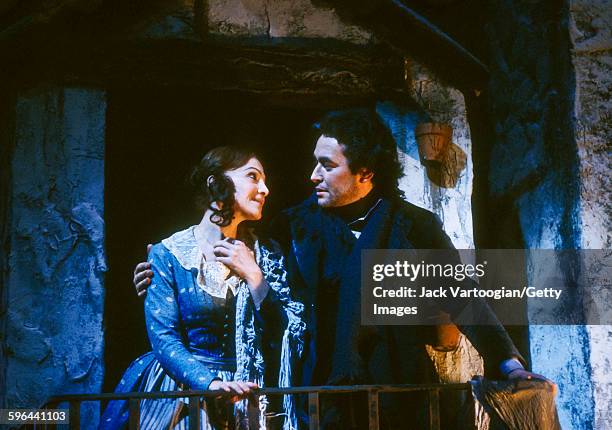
<point>202,327</point>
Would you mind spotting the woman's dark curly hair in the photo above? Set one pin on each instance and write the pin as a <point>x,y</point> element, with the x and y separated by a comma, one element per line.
<point>212,185</point>
<point>367,143</point>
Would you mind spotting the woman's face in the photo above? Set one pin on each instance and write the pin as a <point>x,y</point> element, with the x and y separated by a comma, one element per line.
<point>251,191</point>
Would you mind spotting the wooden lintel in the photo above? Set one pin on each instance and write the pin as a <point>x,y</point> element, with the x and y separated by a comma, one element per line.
<point>279,72</point>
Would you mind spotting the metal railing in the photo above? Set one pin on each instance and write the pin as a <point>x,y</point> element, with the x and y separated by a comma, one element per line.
<point>433,396</point>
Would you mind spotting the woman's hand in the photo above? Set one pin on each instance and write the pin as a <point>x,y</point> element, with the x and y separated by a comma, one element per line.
<point>239,258</point>
<point>239,389</point>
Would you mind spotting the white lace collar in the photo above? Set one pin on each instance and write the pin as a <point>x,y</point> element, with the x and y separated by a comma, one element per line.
<point>184,246</point>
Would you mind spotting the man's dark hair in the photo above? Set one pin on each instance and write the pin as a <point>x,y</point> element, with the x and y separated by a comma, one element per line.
<point>219,188</point>
<point>368,143</point>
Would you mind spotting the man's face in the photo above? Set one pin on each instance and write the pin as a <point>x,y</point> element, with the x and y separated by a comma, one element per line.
<point>335,184</point>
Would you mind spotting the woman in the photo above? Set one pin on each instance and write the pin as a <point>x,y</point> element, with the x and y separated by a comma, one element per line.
<point>213,285</point>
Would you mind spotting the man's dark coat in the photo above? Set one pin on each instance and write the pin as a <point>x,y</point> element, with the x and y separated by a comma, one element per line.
<point>397,353</point>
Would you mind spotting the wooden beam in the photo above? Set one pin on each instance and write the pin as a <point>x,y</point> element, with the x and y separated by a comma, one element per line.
<point>283,74</point>
<point>401,26</point>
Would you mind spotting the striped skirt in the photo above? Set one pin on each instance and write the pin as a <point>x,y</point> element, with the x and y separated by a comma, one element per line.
<point>146,374</point>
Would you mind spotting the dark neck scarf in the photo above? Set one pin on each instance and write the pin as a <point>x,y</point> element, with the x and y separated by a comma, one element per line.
<point>338,225</point>
<point>347,366</point>
<point>356,210</point>
<point>326,252</point>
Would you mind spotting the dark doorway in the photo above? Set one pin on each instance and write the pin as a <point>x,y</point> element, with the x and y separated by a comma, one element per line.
<point>154,137</point>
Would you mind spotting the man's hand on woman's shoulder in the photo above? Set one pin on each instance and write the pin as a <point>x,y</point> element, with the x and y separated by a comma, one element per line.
<point>143,275</point>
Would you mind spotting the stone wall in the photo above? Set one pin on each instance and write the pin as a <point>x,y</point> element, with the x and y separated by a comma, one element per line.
<point>547,171</point>
<point>56,264</point>
<point>440,103</point>
<point>591,36</point>
<point>264,19</point>
<point>280,18</point>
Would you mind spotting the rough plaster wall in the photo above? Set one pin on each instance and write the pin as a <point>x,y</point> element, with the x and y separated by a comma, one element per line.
<point>538,165</point>
<point>280,18</point>
<point>259,18</point>
<point>453,205</point>
<point>591,28</point>
<point>440,103</point>
<point>562,353</point>
<point>56,261</point>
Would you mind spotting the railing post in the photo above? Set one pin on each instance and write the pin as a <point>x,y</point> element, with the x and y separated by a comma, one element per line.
<point>134,414</point>
<point>49,405</point>
<point>434,409</point>
<point>313,410</point>
<point>75,414</point>
<point>373,421</point>
<point>194,413</point>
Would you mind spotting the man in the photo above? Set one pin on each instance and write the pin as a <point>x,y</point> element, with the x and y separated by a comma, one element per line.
<point>357,205</point>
